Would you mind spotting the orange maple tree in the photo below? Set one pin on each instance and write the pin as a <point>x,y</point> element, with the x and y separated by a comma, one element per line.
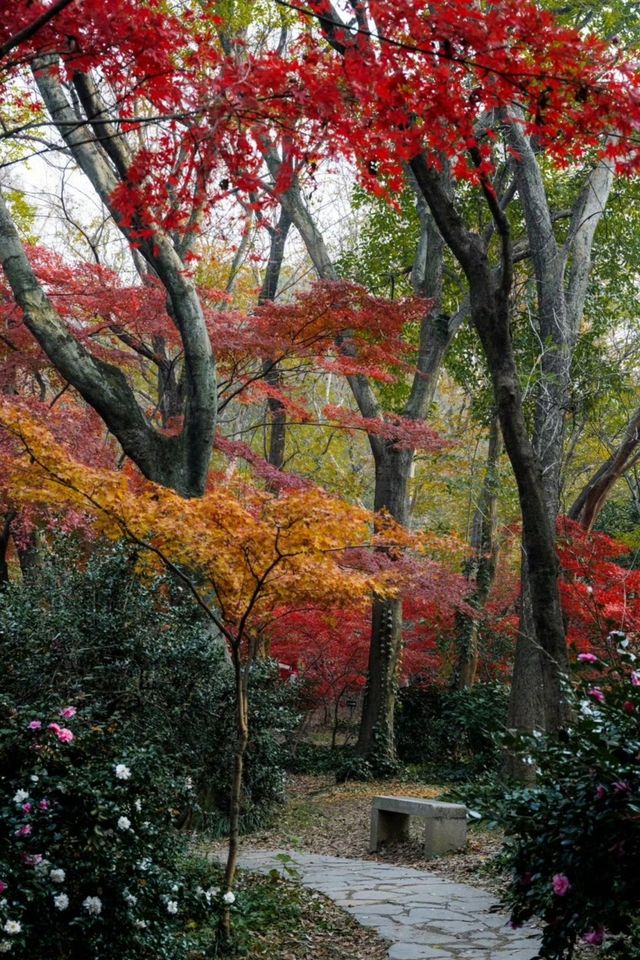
<point>241,551</point>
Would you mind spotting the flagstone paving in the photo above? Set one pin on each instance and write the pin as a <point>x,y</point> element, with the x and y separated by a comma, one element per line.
<point>422,916</point>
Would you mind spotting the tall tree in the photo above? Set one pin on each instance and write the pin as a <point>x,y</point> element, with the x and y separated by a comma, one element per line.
<point>400,114</point>
<point>392,460</point>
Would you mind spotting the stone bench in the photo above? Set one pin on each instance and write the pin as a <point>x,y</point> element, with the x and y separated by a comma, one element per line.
<point>445,823</point>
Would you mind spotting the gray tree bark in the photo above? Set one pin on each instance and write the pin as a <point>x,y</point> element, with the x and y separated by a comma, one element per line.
<point>562,277</point>
<point>270,369</point>
<point>482,567</point>
<point>180,461</point>
<point>593,496</point>
<point>490,313</point>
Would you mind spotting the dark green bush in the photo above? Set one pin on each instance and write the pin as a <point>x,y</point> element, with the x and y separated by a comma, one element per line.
<point>90,632</point>
<point>89,856</point>
<point>573,839</point>
<point>451,731</point>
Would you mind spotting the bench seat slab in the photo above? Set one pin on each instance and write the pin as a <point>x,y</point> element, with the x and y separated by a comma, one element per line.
<point>445,823</point>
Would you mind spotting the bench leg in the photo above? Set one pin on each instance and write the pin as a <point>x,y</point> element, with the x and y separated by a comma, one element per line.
<point>443,835</point>
<point>387,826</point>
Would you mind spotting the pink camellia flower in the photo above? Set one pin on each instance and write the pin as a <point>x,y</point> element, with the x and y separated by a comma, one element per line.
<point>561,884</point>
<point>35,725</point>
<point>24,831</point>
<point>597,694</point>
<point>634,676</point>
<point>601,792</point>
<point>68,712</point>
<point>32,859</point>
<point>44,804</point>
<point>596,937</point>
<point>63,735</point>
<point>27,807</point>
<point>587,658</point>
<point>628,707</point>
<point>3,886</point>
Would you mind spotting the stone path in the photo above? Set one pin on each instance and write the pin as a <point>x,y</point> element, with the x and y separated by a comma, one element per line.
<point>423,916</point>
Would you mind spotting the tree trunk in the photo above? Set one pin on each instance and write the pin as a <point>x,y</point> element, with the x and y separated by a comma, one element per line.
<point>561,275</point>
<point>489,301</point>
<point>594,494</point>
<point>483,565</point>
<point>270,368</point>
<point>5,533</point>
<point>241,681</point>
<point>376,741</point>
<point>538,538</point>
<point>181,461</point>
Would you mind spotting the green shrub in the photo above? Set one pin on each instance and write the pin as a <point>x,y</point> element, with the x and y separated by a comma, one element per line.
<point>90,632</point>
<point>89,856</point>
<point>573,845</point>
<point>314,758</point>
<point>451,731</point>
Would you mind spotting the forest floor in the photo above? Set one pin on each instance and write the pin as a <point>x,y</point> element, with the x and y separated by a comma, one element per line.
<point>326,818</point>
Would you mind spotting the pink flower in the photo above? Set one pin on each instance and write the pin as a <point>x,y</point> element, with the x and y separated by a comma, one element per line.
<point>594,936</point>
<point>68,712</point>
<point>597,694</point>
<point>32,859</point>
<point>601,792</point>
<point>35,725</point>
<point>587,658</point>
<point>634,676</point>
<point>24,831</point>
<point>63,735</point>
<point>621,786</point>
<point>561,884</point>
<point>628,707</point>
<point>44,804</point>
<point>27,807</point>
<point>3,886</point>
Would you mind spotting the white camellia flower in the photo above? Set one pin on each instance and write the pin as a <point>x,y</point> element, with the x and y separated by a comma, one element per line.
<point>5,946</point>
<point>172,906</point>
<point>229,898</point>
<point>92,905</point>
<point>130,899</point>
<point>20,797</point>
<point>124,823</point>
<point>61,901</point>
<point>122,771</point>
<point>12,927</point>
<point>58,875</point>
<point>138,804</point>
